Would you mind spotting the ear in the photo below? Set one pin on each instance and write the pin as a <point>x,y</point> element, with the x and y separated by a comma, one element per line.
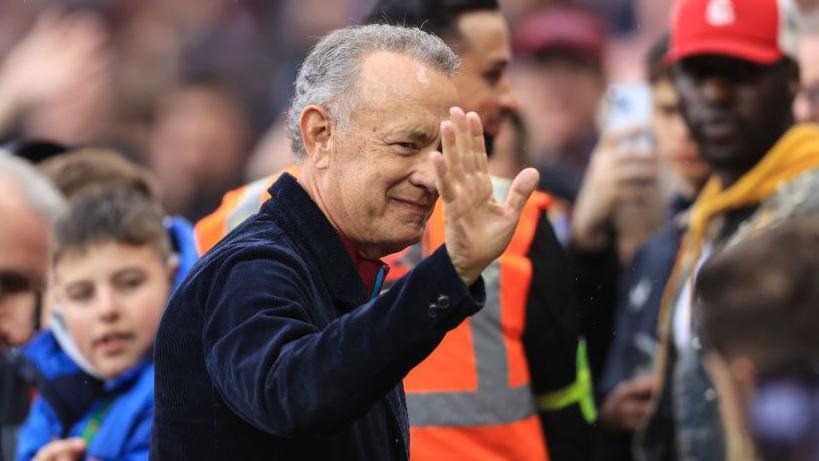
<point>317,135</point>
<point>173,267</point>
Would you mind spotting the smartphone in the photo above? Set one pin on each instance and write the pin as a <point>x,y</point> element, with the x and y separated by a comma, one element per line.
<point>628,106</point>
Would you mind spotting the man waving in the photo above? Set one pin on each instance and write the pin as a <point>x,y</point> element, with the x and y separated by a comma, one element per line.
<point>277,347</point>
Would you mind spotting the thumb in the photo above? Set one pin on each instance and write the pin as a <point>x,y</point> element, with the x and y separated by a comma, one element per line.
<point>522,187</point>
<point>75,445</point>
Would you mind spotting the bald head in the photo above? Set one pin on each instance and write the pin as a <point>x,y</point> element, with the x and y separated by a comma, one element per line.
<point>29,204</point>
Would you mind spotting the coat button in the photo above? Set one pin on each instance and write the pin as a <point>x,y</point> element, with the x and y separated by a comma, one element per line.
<point>433,310</point>
<point>443,301</point>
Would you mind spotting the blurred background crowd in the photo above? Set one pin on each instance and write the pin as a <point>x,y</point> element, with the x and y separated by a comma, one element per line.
<point>195,90</point>
<point>185,100</point>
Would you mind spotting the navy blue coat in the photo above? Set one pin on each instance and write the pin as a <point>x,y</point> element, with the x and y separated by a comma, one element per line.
<point>271,349</point>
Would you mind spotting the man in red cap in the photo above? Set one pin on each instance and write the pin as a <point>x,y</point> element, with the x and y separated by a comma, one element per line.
<point>733,64</point>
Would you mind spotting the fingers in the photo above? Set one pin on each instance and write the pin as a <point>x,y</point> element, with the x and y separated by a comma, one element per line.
<point>642,385</point>
<point>463,139</point>
<point>443,181</point>
<point>61,450</point>
<point>478,141</point>
<point>449,150</point>
<point>614,137</point>
<point>522,187</point>
<point>463,144</point>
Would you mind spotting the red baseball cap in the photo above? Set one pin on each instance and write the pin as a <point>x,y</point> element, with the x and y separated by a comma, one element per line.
<point>560,27</point>
<point>760,31</point>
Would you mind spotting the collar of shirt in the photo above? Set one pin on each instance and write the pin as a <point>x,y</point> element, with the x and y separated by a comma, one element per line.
<point>372,272</point>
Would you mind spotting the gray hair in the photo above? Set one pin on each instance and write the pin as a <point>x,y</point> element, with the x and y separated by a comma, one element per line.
<point>329,75</point>
<point>39,194</point>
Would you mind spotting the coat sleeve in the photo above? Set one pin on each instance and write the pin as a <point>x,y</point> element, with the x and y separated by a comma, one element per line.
<point>139,441</point>
<point>40,427</point>
<point>283,374</point>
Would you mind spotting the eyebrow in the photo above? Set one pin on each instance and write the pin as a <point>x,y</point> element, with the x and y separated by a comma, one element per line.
<point>415,134</point>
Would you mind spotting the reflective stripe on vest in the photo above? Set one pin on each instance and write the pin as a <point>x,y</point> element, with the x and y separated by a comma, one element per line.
<point>579,392</point>
<point>474,388</point>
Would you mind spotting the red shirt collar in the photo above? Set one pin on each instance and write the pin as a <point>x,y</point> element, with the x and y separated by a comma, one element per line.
<point>368,269</point>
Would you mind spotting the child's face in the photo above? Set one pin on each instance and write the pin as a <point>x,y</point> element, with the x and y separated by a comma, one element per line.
<point>113,296</point>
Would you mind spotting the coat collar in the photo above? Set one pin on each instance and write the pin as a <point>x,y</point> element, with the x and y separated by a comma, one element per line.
<point>304,222</point>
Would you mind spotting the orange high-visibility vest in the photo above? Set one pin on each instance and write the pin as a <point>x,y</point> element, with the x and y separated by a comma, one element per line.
<point>471,398</point>
<point>236,206</point>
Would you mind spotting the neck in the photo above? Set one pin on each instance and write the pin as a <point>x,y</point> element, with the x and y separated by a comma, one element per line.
<point>309,180</point>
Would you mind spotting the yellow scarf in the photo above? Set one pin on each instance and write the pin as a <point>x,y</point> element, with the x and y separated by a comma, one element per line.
<point>794,154</point>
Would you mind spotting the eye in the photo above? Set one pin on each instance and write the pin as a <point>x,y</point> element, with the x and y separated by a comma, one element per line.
<point>80,294</point>
<point>406,146</point>
<point>129,281</point>
<point>493,76</point>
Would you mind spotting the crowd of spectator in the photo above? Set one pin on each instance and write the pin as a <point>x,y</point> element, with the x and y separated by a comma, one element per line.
<point>656,301</point>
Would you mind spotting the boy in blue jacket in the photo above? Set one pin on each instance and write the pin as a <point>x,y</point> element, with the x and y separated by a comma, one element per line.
<point>113,273</point>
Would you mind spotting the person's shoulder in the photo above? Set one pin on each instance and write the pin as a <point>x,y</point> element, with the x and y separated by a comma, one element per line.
<point>259,243</point>
<point>797,197</point>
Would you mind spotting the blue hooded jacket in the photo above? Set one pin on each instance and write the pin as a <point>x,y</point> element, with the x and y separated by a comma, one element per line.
<point>68,396</point>
<point>122,407</point>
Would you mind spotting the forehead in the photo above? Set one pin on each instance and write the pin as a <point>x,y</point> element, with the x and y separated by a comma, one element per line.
<point>24,239</point>
<point>396,89</point>
<point>484,36</point>
<point>729,68</point>
<point>106,258</point>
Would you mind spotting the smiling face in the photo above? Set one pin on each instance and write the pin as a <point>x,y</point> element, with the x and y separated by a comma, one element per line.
<point>736,110</point>
<point>483,80</point>
<point>375,180</point>
<point>113,296</point>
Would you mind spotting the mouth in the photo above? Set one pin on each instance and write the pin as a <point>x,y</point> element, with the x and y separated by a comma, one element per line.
<point>419,207</point>
<point>719,130</point>
<point>112,343</point>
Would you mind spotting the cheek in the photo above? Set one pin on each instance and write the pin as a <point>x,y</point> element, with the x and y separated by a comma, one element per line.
<point>146,311</point>
<point>17,316</point>
<point>79,321</point>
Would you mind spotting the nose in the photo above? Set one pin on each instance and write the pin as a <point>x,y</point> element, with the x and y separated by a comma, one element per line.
<point>717,89</point>
<point>108,306</point>
<point>423,174</point>
<point>508,97</point>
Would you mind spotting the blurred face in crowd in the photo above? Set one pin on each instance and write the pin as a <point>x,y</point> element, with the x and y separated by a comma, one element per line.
<point>736,110</point>
<point>562,93</point>
<point>374,177</point>
<point>113,296</point>
<point>673,139</point>
<point>806,106</point>
<point>198,145</point>
<point>482,80</point>
<point>24,244</point>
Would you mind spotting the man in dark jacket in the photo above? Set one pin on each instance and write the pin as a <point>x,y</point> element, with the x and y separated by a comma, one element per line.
<point>277,346</point>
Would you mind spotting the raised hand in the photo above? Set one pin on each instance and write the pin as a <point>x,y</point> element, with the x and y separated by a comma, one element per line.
<point>478,228</point>
<point>616,175</point>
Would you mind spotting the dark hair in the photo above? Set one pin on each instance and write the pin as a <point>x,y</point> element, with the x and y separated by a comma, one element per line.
<point>760,297</point>
<point>655,60</point>
<point>120,215</point>
<point>439,17</point>
<point>35,150</point>
<point>89,170</point>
